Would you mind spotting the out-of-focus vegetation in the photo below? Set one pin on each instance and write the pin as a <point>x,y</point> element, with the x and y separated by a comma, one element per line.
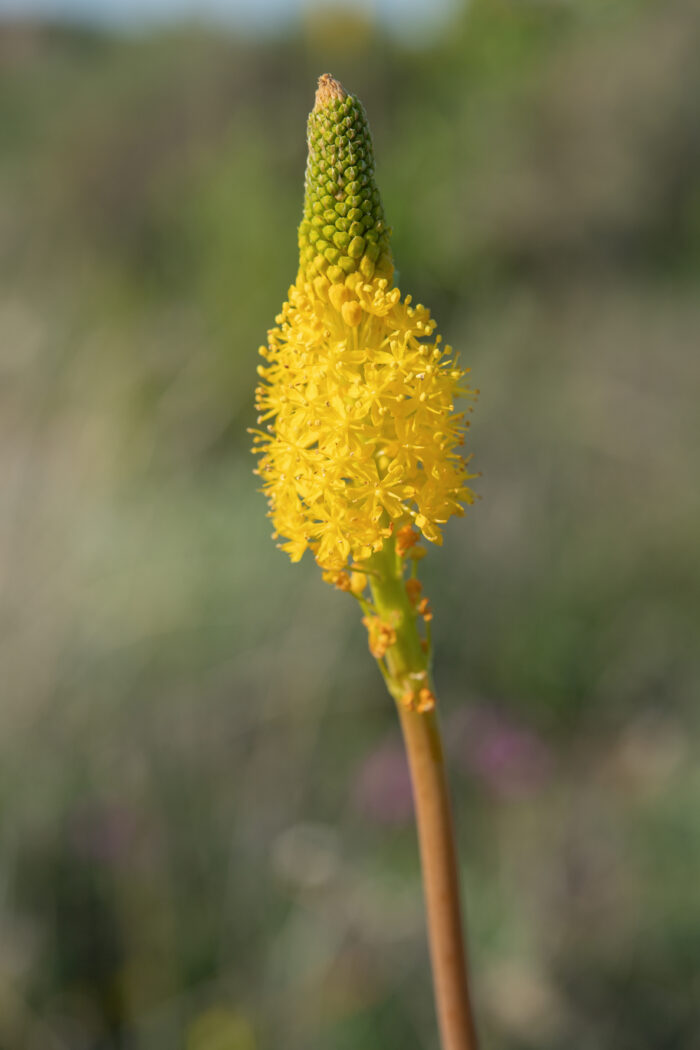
<point>206,838</point>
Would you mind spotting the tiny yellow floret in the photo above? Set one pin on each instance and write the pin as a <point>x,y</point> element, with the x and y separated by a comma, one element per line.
<point>358,583</point>
<point>351,313</point>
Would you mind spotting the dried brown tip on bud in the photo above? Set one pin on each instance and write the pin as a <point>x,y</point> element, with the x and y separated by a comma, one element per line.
<point>328,89</point>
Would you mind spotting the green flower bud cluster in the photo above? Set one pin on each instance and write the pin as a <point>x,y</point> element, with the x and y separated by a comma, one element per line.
<point>343,230</point>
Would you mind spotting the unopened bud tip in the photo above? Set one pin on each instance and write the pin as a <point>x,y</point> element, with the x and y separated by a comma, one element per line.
<point>328,90</point>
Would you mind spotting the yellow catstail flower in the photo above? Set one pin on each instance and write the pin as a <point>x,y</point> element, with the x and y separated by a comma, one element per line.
<point>358,429</point>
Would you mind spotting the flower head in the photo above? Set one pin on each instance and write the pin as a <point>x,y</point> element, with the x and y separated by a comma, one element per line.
<point>357,398</point>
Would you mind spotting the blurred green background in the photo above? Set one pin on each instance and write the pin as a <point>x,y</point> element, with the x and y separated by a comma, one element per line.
<point>206,838</point>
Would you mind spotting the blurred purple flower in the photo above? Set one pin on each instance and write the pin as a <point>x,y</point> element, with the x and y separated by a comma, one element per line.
<point>102,833</point>
<point>382,787</point>
<point>511,759</point>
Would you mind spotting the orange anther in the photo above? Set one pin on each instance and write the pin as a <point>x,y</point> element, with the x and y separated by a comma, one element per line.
<point>413,589</point>
<point>341,580</point>
<point>407,699</point>
<point>426,700</point>
<point>406,538</point>
<point>381,636</point>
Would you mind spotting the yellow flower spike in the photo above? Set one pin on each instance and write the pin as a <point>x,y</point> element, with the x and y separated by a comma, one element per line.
<point>358,446</point>
<point>357,393</point>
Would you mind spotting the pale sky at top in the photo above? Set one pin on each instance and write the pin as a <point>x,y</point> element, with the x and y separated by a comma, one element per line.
<point>406,15</point>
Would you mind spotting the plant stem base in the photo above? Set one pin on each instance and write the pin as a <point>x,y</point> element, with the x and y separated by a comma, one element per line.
<point>406,669</point>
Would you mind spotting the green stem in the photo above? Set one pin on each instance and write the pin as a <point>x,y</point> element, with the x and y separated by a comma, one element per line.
<point>406,660</point>
<point>407,665</point>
